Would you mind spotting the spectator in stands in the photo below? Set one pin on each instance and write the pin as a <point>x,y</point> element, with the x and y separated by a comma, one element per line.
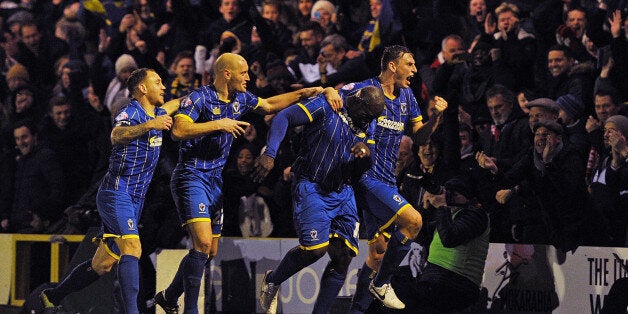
<point>509,137</point>
<point>237,183</point>
<point>571,115</point>
<point>275,36</point>
<point>609,179</point>
<point>117,93</point>
<point>551,197</point>
<point>572,32</point>
<point>9,44</point>
<point>304,14</point>
<point>304,66</point>
<point>568,78</point>
<point>382,29</point>
<point>334,67</point>
<point>457,254</point>
<point>38,182</point>
<point>615,134</point>
<point>233,19</point>
<point>38,54</point>
<point>467,80</point>
<point>450,46</point>
<point>514,49</point>
<point>81,145</point>
<point>324,13</point>
<point>542,109</point>
<point>616,68</point>
<point>185,80</point>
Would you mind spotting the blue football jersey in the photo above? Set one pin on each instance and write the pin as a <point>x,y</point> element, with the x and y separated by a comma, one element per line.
<point>389,128</point>
<point>131,166</point>
<point>210,152</point>
<point>328,139</point>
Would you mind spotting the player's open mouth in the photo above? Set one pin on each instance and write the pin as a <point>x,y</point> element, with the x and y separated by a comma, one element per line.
<point>408,79</point>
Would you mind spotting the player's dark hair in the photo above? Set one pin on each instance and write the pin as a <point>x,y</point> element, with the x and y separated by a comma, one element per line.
<point>392,53</point>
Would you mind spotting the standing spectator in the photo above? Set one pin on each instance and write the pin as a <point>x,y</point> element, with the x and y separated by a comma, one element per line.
<point>568,78</point>
<point>38,54</point>
<point>509,137</point>
<point>117,93</point>
<point>571,115</point>
<point>80,144</point>
<point>136,140</point>
<point>572,32</point>
<point>232,19</point>
<point>514,49</point>
<point>324,205</point>
<point>38,182</point>
<point>334,67</point>
<point>450,46</point>
<point>304,66</point>
<point>185,80</point>
<point>548,186</point>
<point>324,13</point>
<point>207,122</point>
<point>609,180</point>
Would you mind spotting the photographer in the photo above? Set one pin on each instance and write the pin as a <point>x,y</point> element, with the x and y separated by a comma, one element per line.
<point>455,265</point>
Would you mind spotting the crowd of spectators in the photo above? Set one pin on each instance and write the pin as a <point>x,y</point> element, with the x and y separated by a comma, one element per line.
<point>536,89</point>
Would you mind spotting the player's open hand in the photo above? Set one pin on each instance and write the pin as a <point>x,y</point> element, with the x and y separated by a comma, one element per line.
<point>234,127</point>
<point>263,165</point>
<point>360,150</point>
<point>333,98</point>
<point>162,123</point>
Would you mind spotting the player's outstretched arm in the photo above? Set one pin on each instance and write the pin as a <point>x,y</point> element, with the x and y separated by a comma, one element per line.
<point>277,103</point>
<point>122,134</point>
<point>184,128</point>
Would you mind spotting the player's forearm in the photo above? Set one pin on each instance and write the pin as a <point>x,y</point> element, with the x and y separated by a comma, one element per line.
<point>423,133</point>
<point>279,102</point>
<point>126,134</point>
<point>185,130</point>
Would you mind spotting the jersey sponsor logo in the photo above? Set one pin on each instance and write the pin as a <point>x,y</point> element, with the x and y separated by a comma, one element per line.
<point>186,102</point>
<point>389,124</point>
<point>397,198</point>
<point>236,107</point>
<point>202,208</point>
<point>131,224</point>
<point>404,108</point>
<point>216,110</point>
<point>314,234</point>
<point>155,141</point>
<point>349,86</point>
<point>122,116</point>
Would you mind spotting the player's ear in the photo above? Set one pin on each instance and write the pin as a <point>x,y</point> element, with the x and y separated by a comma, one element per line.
<point>142,88</point>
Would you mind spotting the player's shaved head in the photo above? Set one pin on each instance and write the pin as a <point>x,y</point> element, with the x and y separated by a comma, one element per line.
<point>227,61</point>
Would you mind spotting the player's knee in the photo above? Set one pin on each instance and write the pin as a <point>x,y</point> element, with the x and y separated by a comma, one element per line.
<point>413,225</point>
<point>103,266</point>
<point>131,247</point>
<point>341,256</point>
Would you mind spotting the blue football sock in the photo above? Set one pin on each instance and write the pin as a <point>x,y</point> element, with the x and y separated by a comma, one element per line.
<point>398,247</point>
<point>129,279</point>
<point>295,260</point>
<point>331,283</point>
<point>175,289</point>
<point>193,270</point>
<point>81,276</point>
<point>362,298</point>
